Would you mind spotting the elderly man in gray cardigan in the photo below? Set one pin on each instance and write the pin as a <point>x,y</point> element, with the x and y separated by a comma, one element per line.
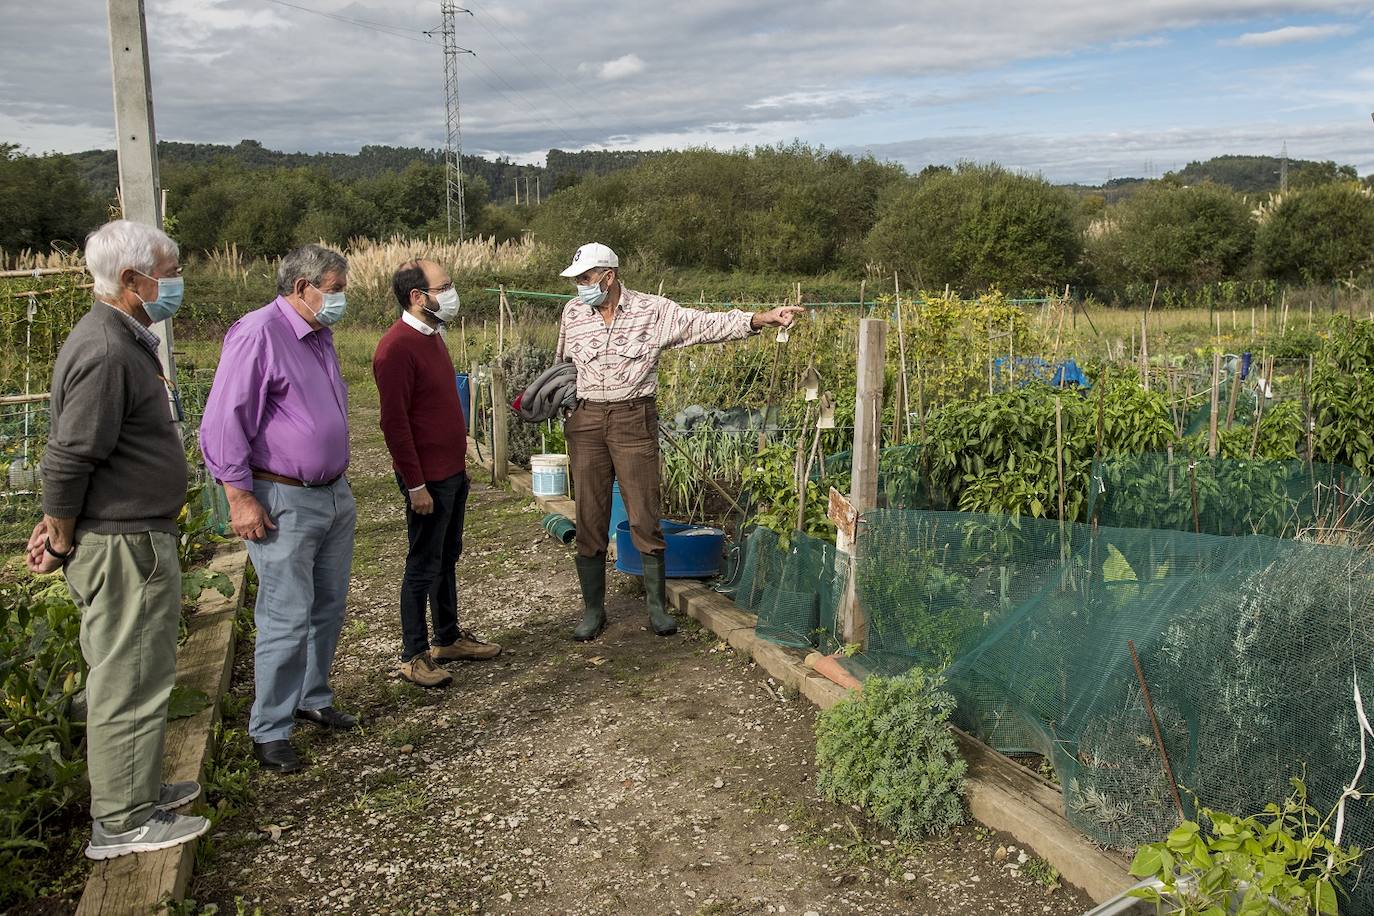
<point>114,482</point>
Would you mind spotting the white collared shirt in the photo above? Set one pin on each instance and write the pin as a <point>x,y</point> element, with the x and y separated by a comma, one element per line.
<point>418,324</point>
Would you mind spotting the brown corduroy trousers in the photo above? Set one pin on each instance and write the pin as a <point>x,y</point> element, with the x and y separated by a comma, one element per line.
<point>615,440</point>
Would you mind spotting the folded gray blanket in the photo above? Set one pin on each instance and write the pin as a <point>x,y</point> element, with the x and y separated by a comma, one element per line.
<point>552,394</point>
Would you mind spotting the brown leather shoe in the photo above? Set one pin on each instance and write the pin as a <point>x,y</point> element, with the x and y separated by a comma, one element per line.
<point>467,647</point>
<point>422,672</point>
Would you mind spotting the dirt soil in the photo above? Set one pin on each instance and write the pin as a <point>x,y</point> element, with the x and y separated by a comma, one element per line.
<point>633,775</point>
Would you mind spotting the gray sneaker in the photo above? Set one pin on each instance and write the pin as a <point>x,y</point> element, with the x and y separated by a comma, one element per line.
<point>161,831</point>
<point>177,795</point>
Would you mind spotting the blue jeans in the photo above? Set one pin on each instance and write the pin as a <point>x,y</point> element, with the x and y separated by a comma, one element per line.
<point>303,568</point>
<point>436,542</point>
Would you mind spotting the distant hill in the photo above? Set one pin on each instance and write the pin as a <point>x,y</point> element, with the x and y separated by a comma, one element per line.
<point>1258,174</point>
<point>100,168</point>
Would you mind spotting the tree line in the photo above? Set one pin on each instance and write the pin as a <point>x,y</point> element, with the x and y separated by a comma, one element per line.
<point>785,209</point>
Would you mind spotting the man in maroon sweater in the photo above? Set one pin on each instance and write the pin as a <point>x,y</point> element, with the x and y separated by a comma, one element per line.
<point>426,433</point>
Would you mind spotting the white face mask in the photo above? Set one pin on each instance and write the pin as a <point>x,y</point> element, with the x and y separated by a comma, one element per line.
<point>448,305</point>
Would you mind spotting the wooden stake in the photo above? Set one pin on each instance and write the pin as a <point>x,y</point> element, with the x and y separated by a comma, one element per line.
<point>1154,723</point>
<point>1231,406</point>
<point>863,290</point>
<point>1059,452</point>
<point>1216,405</point>
<point>500,417</point>
<point>901,353</point>
<point>1145,352</point>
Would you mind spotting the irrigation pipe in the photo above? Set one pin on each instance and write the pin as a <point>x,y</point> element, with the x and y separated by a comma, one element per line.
<point>699,469</point>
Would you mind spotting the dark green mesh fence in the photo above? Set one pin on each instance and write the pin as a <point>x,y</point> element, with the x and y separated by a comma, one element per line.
<point>1250,645</point>
<point>793,586</point>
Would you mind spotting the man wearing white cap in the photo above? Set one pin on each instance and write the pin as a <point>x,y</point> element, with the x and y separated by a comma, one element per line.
<point>614,337</point>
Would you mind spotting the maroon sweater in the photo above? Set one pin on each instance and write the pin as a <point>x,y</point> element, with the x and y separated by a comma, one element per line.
<point>422,418</point>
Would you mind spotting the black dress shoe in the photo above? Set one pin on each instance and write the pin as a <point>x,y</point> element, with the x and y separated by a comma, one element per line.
<point>277,756</point>
<point>327,717</point>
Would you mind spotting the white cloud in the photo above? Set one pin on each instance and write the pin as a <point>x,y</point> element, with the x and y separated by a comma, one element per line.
<point>622,67</point>
<point>1154,41</point>
<point>1289,35</point>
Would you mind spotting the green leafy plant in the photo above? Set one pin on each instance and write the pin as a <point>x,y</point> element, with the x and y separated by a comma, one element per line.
<point>770,486</point>
<point>1284,860</point>
<point>888,750</point>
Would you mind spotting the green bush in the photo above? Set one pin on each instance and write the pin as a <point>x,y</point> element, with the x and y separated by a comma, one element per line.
<point>889,751</point>
<point>1343,395</point>
<point>1318,235</point>
<point>978,227</point>
<point>1174,234</point>
<point>771,209</point>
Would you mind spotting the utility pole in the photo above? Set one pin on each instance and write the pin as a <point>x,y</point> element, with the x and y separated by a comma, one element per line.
<point>139,188</point>
<point>527,188</point>
<point>1283,169</point>
<point>517,190</point>
<point>538,196</point>
<point>453,138</point>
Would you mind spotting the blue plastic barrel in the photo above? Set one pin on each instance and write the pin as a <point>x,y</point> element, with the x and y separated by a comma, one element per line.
<point>694,551</point>
<point>618,513</point>
<point>464,394</point>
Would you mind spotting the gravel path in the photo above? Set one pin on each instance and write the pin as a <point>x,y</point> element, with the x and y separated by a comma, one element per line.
<point>633,775</point>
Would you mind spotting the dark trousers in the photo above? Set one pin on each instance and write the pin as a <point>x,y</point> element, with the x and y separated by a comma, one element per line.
<point>608,441</point>
<point>436,542</point>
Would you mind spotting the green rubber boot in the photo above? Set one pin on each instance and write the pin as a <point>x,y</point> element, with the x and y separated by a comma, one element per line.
<point>656,594</point>
<point>591,573</point>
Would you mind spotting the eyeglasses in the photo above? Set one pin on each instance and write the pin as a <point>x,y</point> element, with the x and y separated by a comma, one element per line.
<point>440,289</point>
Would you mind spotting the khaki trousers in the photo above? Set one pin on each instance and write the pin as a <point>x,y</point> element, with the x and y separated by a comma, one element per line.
<point>615,440</point>
<point>128,588</point>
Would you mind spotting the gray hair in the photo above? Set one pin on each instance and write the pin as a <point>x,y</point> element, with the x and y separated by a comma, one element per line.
<point>311,263</point>
<point>123,245</point>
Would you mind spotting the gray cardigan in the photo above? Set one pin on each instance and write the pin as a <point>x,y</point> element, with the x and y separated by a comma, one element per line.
<point>114,459</point>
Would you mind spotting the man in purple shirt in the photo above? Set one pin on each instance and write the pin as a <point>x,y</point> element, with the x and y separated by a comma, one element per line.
<point>275,433</point>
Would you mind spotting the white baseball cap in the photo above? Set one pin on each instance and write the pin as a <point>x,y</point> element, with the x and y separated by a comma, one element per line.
<point>593,254</point>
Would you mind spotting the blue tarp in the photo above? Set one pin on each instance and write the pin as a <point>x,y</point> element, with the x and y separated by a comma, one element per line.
<point>1029,368</point>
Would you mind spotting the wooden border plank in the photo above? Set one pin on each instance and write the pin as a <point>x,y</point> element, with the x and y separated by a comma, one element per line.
<point>137,883</point>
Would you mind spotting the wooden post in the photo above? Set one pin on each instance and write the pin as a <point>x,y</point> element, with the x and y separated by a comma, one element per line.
<point>1144,353</point>
<point>863,485</point>
<point>1235,392</point>
<point>501,322</point>
<point>500,417</point>
<point>863,288</point>
<point>1059,453</point>
<point>903,421</point>
<point>1216,405</point>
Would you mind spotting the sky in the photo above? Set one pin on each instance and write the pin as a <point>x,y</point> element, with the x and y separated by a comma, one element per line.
<point>1075,91</point>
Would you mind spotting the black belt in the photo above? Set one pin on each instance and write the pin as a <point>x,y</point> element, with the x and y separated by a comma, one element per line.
<point>293,482</point>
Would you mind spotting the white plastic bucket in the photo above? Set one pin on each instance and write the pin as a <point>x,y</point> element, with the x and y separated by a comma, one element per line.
<point>549,474</point>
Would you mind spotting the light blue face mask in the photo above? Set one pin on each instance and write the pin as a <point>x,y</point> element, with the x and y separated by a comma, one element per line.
<point>170,291</point>
<point>592,294</point>
<point>332,308</point>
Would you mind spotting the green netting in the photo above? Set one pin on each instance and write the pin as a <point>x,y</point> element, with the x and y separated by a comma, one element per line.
<point>1227,497</point>
<point>1250,644</point>
<point>793,587</point>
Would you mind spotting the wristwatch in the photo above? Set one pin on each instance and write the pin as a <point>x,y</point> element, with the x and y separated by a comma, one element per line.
<point>64,557</point>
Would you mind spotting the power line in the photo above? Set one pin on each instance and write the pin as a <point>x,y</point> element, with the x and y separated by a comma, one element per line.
<point>563,131</point>
<point>380,28</point>
<point>561,98</point>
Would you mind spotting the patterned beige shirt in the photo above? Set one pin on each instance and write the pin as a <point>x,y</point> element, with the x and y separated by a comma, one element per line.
<point>619,361</point>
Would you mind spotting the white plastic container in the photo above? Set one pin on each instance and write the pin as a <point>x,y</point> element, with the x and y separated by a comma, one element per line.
<point>549,474</point>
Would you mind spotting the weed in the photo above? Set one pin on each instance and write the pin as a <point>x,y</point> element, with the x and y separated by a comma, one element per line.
<point>1043,874</point>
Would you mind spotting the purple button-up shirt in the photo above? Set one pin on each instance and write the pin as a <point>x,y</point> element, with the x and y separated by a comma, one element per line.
<point>279,403</point>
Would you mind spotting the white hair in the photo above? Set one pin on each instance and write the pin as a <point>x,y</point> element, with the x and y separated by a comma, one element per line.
<point>122,245</point>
